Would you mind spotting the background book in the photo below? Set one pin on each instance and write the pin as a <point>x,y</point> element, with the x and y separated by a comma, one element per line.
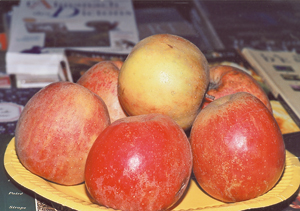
<point>40,31</point>
<point>78,61</point>
<point>12,196</point>
<point>281,73</point>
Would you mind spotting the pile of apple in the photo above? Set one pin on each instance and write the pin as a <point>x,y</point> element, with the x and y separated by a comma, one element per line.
<point>135,131</point>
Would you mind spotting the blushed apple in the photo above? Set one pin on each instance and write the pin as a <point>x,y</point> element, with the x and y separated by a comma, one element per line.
<point>56,130</point>
<point>140,163</point>
<point>164,74</point>
<point>102,79</point>
<point>238,149</point>
<point>225,80</point>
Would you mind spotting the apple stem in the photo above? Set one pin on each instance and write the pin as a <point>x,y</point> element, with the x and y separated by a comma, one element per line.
<point>209,97</point>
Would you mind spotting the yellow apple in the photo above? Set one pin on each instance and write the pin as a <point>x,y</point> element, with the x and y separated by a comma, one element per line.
<point>164,74</point>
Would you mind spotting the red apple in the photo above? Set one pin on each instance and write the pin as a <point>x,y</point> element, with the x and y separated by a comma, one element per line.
<point>56,130</point>
<point>139,163</point>
<point>102,79</point>
<point>238,148</point>
<point>225,80</point>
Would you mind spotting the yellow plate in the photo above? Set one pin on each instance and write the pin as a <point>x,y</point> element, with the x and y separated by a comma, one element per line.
<point>76,197</point>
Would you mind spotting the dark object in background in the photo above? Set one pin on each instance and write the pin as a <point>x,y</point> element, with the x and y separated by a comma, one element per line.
<point>19,97</point>
<point>263,25</point>
<point>292,143</point>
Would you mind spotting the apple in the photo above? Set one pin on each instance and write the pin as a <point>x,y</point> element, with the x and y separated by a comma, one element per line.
<point>56,130</point>
<point>102,79</point>
<point>141,162</point>
<point>238,149</point>
<point>118,63</point>
<point>164,74</point>
<point>225,80</point>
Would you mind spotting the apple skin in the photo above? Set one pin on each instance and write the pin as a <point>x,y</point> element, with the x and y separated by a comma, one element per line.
<point>238,149</point>
<point>56,130</point>
<point>140,163</point>
<point>118,63</point>
<point>164,74</point>
<point>225,80</point>
<point>102,79</point>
